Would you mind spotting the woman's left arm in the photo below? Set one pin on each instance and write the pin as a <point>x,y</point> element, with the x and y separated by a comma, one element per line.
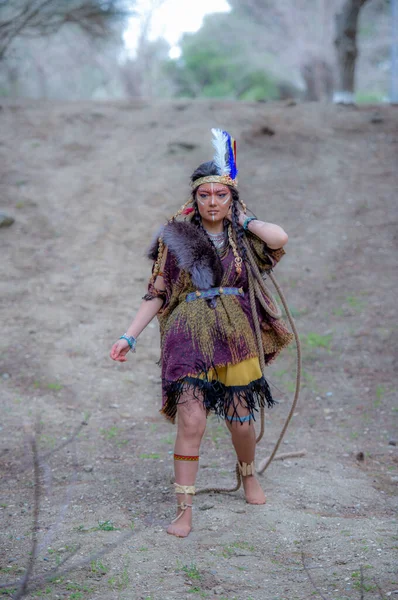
<point>273,235</point>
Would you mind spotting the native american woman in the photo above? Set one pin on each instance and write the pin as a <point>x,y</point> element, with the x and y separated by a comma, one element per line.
<point>218,329</point>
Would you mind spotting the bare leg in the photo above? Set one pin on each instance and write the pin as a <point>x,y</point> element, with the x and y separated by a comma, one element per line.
<point>244,441</point>
<point>191,425</point>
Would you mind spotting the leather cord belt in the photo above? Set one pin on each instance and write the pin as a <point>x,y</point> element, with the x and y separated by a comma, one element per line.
<point>213,292</point>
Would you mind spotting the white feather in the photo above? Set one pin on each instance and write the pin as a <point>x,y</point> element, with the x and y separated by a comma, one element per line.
<point>220,158</point>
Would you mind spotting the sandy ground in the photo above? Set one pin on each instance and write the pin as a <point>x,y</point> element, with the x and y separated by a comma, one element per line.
<point>88,185</point>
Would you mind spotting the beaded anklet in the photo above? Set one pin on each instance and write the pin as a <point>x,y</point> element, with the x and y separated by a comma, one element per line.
<point>188,458</point>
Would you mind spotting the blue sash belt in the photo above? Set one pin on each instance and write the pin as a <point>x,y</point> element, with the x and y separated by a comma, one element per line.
<point>212,292</point>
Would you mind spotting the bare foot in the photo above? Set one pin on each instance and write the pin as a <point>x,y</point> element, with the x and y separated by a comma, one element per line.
<point>183,526</point>
<point>253,492</point>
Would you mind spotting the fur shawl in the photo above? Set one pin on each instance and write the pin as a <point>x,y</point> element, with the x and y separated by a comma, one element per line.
<point>193,251</point>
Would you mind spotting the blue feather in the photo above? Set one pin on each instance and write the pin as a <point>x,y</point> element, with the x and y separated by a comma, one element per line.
<point>231,161</point>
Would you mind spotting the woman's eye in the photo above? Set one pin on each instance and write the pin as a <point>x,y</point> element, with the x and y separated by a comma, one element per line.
<point>203,195</point>
<point>222,195</point>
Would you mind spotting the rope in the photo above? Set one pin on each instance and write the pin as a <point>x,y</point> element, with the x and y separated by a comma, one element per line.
<point>256,289</point>
<point>298,376</point>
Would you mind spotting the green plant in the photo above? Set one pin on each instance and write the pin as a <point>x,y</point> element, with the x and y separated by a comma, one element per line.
<point>297,312</point>
<point>110,433</point>
<point>191,571</point>
<point>54,386</point>
<point>380,391</point>
<point>106,526</point>
<point>355,303</point>
<point>98,567</point>
<point>229,549</point>
<point>318,340</point>
<point>290,386</point>
<point>280,372</point>
<point>121,443</point>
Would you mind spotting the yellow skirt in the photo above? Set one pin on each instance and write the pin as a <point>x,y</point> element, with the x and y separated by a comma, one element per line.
<point>225,389</point>
<point>242,373</point>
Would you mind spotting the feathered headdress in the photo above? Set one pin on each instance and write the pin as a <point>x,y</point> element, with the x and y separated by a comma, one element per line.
<point>224,159</point>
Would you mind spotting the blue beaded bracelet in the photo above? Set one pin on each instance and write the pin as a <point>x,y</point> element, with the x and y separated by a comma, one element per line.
<point>247,221</point>
<point>132,342</point>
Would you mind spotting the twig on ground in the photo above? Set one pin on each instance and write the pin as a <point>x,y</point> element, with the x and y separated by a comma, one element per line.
<point>23,583</point>
<point>310,577</point>
<point>39,580</point>
<point>381,593</point>
<point>282,456</point>
<point>361,582</point>
<point>27,583</point>
<point>68,496</point>
<point>66,442</point>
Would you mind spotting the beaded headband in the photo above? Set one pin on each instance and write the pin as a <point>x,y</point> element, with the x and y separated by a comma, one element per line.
<point>224,160</point>
<point>225,179</point>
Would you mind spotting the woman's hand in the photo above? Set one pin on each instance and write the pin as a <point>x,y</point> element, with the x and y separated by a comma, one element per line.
<point>241,217</point>
<point>119,350</point>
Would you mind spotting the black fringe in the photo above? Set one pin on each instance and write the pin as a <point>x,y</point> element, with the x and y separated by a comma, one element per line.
<point>217,397</point>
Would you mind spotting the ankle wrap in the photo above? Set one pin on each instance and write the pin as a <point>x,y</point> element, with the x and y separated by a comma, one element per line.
<point>246,468</point>
<point>185,489</point>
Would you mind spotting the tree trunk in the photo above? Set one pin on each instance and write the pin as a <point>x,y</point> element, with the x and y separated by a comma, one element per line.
<point>346,35</point>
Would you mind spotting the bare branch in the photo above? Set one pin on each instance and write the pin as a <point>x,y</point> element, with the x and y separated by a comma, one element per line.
<point>39,580</point>
<point>46,17</point>
<point>381,593</point>
<point>66,442</point>
<point>28,582</point>
<point>361,583</point>
<point>36,509</point>
<point>310,577</point>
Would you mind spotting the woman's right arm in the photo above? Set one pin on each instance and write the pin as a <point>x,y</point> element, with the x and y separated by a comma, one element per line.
<point>146,312</point>
<point>148,309</point>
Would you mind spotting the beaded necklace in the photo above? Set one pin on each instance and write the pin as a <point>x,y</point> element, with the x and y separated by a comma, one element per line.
<point>218,239</point>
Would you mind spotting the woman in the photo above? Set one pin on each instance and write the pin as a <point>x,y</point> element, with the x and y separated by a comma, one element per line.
<point>199,290</point>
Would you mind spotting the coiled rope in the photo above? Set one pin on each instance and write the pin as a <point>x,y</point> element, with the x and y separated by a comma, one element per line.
<point>257,289</point>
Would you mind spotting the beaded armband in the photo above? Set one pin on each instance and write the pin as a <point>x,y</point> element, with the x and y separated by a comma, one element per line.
<point>132,342</point>
<point>247,221</point>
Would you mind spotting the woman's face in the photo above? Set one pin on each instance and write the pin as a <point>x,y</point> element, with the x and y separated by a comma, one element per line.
<point>214,201</point>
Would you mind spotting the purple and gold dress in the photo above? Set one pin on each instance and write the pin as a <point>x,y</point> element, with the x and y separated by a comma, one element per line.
<point>208,341</point>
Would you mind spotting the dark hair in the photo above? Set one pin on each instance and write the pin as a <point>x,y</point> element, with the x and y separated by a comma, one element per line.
<point>204,170</point>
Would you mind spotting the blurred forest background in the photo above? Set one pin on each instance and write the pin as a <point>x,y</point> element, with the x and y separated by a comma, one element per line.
<point>260,50</point>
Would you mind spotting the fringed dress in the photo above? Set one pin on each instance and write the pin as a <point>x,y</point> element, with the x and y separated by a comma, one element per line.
<point>208,341</point>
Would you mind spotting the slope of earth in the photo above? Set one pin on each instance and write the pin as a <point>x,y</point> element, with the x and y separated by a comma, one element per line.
<point>88,186</point>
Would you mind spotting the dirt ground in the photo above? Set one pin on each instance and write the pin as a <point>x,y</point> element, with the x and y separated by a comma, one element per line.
<point>88,185</point>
